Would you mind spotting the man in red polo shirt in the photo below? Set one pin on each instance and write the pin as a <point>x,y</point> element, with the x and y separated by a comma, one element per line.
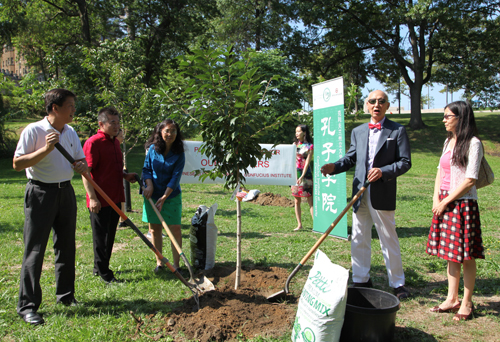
<point>105,161</point>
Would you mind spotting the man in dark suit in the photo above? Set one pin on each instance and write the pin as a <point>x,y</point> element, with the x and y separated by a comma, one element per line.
<point>380,150</point>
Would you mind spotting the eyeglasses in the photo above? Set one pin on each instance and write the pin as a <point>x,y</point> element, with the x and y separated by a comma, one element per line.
<point>449,116</point>
<point>380,101</point>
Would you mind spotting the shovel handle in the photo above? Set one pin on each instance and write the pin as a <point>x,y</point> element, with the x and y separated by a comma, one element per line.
<point>164,224</point>
<point>157,212</point>
<point>337,220</point>
<point>173,240</point>
<point>126,219</point>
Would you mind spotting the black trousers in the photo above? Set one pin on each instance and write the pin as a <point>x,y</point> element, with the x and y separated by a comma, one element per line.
<point>47,208</point>
<point>104,226</point>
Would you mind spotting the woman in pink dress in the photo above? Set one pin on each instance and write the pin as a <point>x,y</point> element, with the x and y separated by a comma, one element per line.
<point>455,233</point>
<point>303,142</point>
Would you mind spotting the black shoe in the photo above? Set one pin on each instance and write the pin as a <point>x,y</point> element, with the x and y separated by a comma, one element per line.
<point>122,224</point>
<point>33,318</point>
<point>70,302</point>
<point>367,284</point>
<point>401,292</point>
<point>158,269</point>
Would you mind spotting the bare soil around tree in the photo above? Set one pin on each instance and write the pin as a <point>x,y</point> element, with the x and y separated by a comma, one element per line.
<point>227,314</point>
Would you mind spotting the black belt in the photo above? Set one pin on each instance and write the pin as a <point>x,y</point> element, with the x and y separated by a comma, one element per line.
<point>51,185</point>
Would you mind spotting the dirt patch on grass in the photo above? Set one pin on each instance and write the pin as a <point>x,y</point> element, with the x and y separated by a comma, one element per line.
<point>120,246</point>
<point>268,198</point>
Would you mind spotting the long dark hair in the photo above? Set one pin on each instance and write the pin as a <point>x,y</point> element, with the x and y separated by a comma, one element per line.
<point>465,130</point>
<point>157,140</point>
<point>307,137</point>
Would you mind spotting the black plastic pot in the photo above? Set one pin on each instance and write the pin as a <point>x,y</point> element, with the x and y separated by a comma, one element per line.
<point>370,315</point>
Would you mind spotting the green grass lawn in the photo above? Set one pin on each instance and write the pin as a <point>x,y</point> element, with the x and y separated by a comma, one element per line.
<point>267,240</point>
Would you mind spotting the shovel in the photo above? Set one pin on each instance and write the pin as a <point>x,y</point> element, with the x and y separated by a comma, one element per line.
<point>195,290</point>
<point>282,294</point>
<point>202,283</point>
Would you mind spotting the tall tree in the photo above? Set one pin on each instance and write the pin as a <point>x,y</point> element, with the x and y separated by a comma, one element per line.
<point>256,24</point>
<point>285,97</point>
<point>397,37</point>
<point>49,30</point>
<point>75,8</point>
<point>165,29</point>
<point>471,61</point>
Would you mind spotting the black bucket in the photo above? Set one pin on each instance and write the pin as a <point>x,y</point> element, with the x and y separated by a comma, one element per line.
<point>370,315</point>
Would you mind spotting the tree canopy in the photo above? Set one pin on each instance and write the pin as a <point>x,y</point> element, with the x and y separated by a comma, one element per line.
<point>393,38</point>
<point>453,42</point>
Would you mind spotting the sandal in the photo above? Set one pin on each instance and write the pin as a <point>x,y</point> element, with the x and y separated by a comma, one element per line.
<point>461,317</point>
<point>453,309</point>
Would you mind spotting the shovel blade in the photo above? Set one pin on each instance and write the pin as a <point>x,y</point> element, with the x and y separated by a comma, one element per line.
<point>278,296</point>
<point>202,284</point>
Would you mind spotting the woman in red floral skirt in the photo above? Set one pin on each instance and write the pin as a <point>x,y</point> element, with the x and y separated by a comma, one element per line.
<point>455,233</point>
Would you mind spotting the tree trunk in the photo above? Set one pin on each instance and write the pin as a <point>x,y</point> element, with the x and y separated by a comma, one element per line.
<point>238,245</point>
<point>84,20</point>
<point>130,29</point>
<point>468,96</point>
<point>126,185</point>
<point>416,113</point>
<point>258,29</point>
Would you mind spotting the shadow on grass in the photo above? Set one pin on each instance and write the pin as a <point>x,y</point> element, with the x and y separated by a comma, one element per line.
<point>93,308</point>
<point>21,181</point>
<point>249,212</point>
<point>487,289</point>
<point>412,334</point>
<point>10,228</point>
<point>403,232</point>
<point>408,232</point>
<point>245,235</point>
<point>219,192</point>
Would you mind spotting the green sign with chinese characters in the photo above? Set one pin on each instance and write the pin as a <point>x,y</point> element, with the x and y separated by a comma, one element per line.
<point>329,146</point>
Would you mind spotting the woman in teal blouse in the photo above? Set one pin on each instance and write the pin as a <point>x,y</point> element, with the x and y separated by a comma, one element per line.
<point>162,173</point>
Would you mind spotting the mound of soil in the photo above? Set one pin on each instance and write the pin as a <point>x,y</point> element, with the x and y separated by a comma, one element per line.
<point>268,198</point>
<point>226,314</point>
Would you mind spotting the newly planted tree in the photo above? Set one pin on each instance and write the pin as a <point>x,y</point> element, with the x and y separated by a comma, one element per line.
<point>223,97</point>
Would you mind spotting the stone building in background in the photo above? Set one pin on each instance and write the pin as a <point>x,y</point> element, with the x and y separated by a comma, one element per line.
<point>13,64</point>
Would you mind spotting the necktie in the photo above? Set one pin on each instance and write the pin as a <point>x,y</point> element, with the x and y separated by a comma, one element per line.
<point>377,125</point>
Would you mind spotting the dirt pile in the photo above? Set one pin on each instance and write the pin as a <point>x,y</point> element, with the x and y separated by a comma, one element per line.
<point>226,314</point>
<point>268,198</point>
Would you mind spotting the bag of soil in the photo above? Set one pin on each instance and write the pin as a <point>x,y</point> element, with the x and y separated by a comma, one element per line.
<point>203,237</point>
<point>321,309</point>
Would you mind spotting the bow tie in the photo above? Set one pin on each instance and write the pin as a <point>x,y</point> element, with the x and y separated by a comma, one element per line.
<point>377,125</point>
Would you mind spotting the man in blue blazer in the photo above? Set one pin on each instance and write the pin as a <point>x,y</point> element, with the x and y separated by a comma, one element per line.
<point>380,150</point>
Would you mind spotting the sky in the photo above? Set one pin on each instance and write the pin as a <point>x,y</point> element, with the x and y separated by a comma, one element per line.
<point>439,98</point>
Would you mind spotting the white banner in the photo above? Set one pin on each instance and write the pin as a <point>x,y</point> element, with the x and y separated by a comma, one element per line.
<point>280,169</point>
